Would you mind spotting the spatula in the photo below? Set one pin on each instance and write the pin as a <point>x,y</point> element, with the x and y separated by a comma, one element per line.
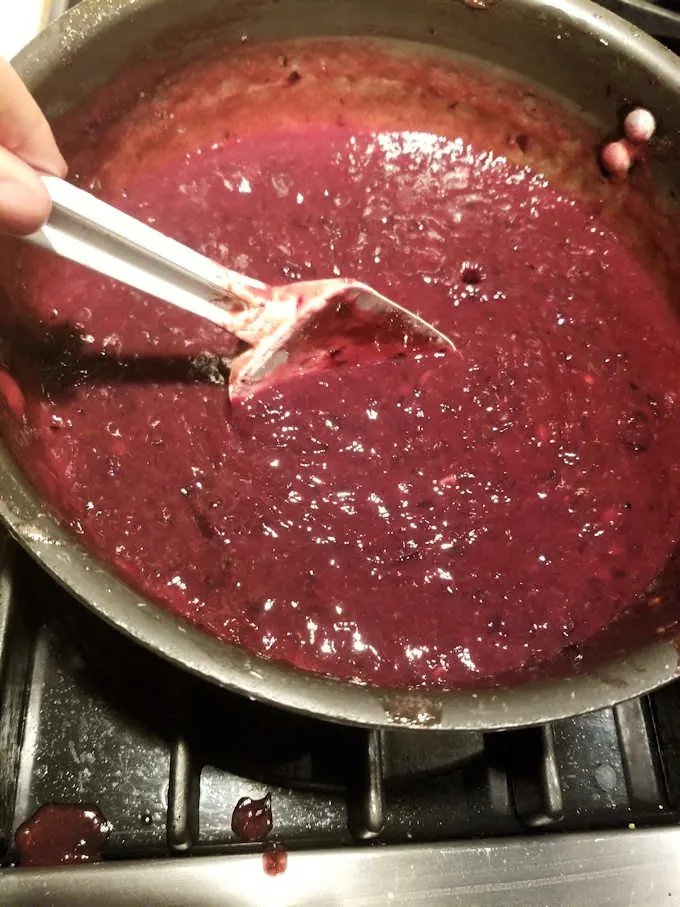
<point>287,329</point>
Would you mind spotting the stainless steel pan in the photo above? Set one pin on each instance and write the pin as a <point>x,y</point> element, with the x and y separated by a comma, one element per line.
<point>571,47</point>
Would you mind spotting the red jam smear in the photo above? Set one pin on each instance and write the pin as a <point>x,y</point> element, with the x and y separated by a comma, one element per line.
<point>426,521</point>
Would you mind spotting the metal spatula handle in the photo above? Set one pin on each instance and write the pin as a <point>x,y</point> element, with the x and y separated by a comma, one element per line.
<point>92,233</point>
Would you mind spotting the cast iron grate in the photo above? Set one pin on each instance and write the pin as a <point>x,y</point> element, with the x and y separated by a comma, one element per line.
<point>86,716</point>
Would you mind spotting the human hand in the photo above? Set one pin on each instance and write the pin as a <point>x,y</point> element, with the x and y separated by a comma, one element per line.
<point>26,142</point>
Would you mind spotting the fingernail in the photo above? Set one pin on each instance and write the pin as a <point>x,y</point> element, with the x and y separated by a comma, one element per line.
<point>54,164</point>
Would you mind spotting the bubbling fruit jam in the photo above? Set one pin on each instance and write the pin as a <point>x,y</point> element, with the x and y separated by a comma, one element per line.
<point>424,521</point>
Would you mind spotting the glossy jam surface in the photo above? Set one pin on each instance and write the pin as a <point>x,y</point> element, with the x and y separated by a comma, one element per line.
<point>429,521</point>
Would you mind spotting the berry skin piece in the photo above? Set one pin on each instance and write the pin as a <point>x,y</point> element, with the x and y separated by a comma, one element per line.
<point>639,126</point>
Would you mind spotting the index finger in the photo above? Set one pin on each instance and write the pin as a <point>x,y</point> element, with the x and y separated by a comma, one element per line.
<point>23,128</point>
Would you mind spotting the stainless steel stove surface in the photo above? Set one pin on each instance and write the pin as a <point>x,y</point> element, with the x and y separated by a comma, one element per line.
<point>581,812</point>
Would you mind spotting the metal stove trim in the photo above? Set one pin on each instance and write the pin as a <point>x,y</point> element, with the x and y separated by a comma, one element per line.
<point>571,870</point>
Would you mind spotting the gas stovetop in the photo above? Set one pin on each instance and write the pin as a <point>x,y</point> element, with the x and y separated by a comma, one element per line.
<point>89,718</point>
<point>583,811</point>
<point>585,807</point>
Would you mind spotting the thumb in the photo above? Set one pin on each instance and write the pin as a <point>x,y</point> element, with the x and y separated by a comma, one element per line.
<point>24,202</point>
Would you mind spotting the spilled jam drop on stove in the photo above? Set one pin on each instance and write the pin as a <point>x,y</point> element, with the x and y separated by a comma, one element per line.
<point>62,834</point>
<point>274,859</point>
<point>417,522</point>
<point>252,819</point>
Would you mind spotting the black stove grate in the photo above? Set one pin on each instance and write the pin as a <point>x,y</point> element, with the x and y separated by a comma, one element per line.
<point>88,717</point>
